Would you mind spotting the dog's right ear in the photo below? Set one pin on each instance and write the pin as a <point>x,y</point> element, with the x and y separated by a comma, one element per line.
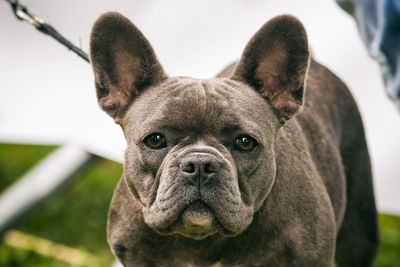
<point>123,62</point>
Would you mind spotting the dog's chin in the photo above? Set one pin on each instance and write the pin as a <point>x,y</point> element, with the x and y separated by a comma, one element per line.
<point>197,222</point>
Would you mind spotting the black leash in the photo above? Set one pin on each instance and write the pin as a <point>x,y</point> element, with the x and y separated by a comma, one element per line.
<point>21,12</point>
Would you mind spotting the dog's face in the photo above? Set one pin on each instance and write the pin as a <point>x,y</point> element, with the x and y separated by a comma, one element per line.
<point>200,156</point>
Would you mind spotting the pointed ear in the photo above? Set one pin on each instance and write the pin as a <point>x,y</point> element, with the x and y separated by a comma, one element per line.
<point>123,62</point>
<point>275,63</point>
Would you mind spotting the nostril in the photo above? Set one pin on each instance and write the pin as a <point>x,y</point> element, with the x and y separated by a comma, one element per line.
<point>211,167</point>
<point>188,167</point>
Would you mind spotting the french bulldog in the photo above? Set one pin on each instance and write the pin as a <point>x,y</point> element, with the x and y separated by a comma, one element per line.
<point>264,165</point>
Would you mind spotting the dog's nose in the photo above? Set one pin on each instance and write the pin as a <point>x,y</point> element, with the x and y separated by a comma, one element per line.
<point>199,167</point>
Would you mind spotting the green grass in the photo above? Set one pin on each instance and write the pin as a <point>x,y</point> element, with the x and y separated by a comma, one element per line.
<point>12,257</point>
<point>15,160</point>
<point>389,253</point>
<point>76,215</point>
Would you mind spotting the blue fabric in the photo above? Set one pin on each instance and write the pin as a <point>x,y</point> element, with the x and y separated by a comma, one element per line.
<point>379,25</point>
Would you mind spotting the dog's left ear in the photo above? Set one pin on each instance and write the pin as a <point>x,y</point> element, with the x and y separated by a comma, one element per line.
<point>275,63</point>
<point>123,62</point>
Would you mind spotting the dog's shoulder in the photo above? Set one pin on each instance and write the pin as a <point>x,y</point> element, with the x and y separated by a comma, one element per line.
<point>328,100</point>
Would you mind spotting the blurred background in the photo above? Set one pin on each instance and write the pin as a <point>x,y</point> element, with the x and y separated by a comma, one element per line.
<point>60,155</point>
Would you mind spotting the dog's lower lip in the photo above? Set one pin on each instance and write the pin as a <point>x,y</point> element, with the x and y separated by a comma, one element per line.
<point>198,215</point>
<point>196,221</point>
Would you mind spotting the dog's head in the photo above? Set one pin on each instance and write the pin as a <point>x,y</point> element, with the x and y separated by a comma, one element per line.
<point>200,156</point>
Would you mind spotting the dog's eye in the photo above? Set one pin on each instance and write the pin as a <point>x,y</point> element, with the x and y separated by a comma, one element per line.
<point>245,143</point>
<point>155,141</point>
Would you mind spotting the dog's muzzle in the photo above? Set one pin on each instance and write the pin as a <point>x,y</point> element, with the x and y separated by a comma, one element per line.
<point>197,195</point>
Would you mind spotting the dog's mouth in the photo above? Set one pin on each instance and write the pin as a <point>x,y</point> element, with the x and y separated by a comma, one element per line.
<point>197,221</point>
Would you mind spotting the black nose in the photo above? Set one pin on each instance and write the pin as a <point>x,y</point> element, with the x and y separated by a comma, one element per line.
<point>199,167</point>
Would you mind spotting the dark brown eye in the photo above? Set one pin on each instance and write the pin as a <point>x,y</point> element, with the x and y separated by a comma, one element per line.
<point>245,143</point>
<point>155,141</point>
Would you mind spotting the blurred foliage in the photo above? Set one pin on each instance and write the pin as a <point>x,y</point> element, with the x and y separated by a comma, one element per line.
<point>389,253</point>
<point>76,215</point>
<point>15,160</point>
<point>11,257</point>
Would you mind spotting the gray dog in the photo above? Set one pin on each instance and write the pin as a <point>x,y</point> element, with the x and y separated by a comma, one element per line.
<point>251,168</point>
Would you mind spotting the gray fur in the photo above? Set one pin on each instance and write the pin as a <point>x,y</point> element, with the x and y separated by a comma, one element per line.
<point>302,193</point>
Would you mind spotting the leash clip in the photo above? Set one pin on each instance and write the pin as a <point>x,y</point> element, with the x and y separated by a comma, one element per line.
<point>22,13</point>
